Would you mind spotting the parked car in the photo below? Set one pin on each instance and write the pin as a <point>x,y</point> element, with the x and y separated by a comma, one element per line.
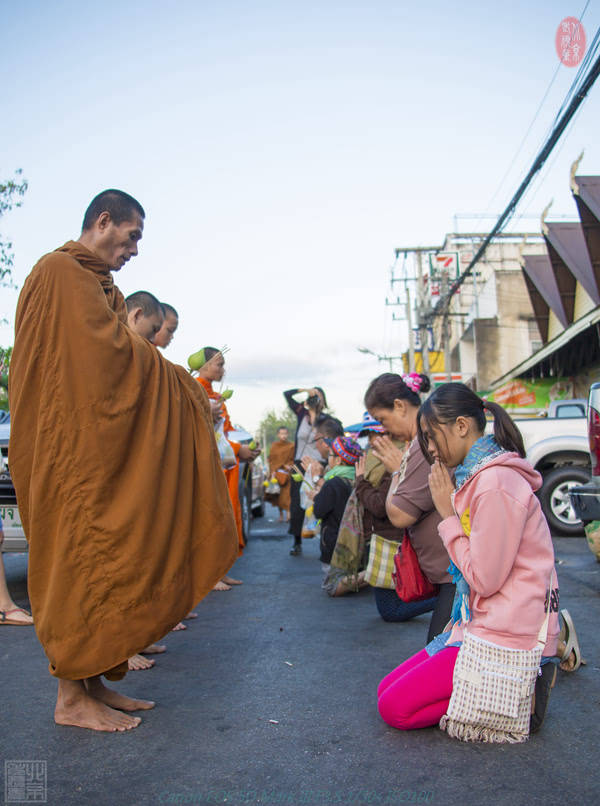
<point>557,447</point>
<point>586,497</point>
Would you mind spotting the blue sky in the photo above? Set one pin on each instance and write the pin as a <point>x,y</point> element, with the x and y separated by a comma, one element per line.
<point>281,151</point>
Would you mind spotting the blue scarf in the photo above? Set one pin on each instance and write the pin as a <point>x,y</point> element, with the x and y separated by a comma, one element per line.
<point>482,449</point>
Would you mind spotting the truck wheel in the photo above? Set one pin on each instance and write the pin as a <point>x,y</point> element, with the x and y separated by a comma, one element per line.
<point>555,500</point>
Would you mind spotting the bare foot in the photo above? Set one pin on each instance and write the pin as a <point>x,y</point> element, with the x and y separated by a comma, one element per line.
<point>154,649</point>
<point>74,706</point>
<point>139,662</point>
<point>191,614</point>
<point>180,626</point>
<point>98,690</point>
<point>231,581</point>
<point>221,586</point>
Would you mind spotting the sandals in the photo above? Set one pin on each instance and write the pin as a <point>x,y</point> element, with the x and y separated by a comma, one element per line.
<point>14,622</point>
<point>569,636</point>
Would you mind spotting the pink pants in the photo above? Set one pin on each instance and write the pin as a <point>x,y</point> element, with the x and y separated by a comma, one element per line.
<point>416,694</point>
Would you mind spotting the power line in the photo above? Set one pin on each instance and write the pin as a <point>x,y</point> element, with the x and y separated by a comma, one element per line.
<point>579,91</point>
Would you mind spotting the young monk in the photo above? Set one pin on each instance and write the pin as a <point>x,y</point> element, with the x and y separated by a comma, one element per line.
<point>213,370</point>
<point>144,311</point>
<point>164,337</point>
<point>125,510</point>
<point>281,458</point>
<point>145,315</point>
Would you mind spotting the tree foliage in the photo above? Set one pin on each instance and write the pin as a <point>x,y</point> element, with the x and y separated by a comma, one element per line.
<point>11,195</point>
<point>271,421</point>
<point>5,354</point>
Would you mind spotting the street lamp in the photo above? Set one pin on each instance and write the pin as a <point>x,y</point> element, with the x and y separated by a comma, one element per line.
<point>389,358</point>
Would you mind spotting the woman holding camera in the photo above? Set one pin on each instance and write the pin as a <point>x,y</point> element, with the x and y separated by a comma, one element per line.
<point>307,414</point>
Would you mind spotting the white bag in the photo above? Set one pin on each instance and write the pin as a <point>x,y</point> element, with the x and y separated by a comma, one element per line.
<point>226,452</point>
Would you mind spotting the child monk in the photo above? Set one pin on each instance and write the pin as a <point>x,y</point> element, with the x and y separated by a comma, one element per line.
<point>281,458</point>
<point>164,337</point>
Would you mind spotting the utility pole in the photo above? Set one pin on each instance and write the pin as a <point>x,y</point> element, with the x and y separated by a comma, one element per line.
<point>446,329</point>
<point>422,312</point>
<point>411,333</point>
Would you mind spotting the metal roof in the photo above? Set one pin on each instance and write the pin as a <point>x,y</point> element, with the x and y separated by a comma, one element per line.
<point>543,291</point>
<point>571,252</point>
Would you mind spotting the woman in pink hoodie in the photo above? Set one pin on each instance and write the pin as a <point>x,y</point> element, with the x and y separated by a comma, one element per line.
<point>501,551</point>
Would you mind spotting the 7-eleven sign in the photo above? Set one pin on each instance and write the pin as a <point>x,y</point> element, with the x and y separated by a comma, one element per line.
<point>444,262</point>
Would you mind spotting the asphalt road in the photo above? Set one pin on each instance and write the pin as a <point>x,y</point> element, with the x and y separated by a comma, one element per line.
<point>269,697</point>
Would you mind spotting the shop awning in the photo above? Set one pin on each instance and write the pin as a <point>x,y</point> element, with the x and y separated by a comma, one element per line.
<point>575,348</point>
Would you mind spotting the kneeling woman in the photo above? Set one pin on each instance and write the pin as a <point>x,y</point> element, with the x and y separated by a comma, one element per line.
<point>499,542</point>
<point>394,400</point>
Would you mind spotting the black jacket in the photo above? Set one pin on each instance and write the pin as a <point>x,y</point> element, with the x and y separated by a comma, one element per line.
<point>329,505</point>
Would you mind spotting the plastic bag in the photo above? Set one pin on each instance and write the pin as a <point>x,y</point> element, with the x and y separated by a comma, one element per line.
<point>311,526</point>
<point>226,452</point>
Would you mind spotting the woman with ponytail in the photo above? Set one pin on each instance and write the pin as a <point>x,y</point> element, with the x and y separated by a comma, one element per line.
<point>506,606</point>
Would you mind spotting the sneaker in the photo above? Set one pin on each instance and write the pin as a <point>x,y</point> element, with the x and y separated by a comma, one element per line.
<point>296,550</point>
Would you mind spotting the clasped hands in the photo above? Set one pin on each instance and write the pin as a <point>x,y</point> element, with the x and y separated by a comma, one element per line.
<point>441,487</point>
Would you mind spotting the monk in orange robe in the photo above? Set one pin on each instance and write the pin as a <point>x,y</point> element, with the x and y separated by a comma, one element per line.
<point>213,370</point>
<point>281,459</point>
<point>116,470</point>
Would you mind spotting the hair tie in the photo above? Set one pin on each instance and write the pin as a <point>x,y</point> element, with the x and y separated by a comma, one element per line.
<point>413,381</point>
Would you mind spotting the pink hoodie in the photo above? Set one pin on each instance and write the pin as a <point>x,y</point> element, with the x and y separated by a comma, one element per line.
<point>501,542</point>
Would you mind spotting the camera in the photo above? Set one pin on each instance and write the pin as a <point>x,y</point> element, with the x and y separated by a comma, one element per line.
<point>313,401</point>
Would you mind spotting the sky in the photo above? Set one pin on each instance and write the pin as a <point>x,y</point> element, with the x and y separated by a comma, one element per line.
<point>282,151</point>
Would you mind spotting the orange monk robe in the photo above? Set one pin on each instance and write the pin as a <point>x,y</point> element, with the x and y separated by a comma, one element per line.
<point>281,455</point>
<point>117,474</point>
<point>232,474</point>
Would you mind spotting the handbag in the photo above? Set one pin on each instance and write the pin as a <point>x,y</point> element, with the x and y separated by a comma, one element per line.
<point>282,477</point>
<point>411,583</point>
<point>492,689</point>
<point>380,566</point>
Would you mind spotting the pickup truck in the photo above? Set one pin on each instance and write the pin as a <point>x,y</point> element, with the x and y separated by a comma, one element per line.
<point>586,498</point>
<point>557,446</point>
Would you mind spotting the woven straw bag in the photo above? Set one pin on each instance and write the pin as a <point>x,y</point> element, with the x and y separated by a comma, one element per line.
<point>492,690</point>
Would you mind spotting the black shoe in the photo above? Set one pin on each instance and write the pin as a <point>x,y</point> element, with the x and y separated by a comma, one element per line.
<point>544,683</point>
<point>296,550</point>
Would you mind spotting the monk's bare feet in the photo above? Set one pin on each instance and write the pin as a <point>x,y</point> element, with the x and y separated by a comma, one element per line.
<point>180,626</point>
<point>76,707</point>
<point>154,649</point>
<point>191,614</point>
<point>231,581</point>
<point>221,586</point>
<point>98,690</point>
<point>138,663</point>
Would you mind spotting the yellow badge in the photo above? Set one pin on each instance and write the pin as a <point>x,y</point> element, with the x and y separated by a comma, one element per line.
<point>465,521</point>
